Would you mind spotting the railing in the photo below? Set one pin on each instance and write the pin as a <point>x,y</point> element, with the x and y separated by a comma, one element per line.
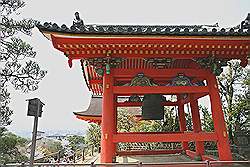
<point>148,146</point>
<point>140,164</point>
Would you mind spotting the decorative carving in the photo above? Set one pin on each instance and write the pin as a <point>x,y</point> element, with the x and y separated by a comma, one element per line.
<point>199,83</point>
<point>99,71</point>
<point>159,62</point>
<point>181,80</point>
<point>141,80</point>
<point>213,63</point>
<point>78,22</point>
<point>104,63</point>
<point>134,98</point>
<point>246,23</point>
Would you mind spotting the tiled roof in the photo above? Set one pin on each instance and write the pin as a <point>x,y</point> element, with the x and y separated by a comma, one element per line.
<point>146,30</point>
<point>95,108</point>
<point>79,27</point>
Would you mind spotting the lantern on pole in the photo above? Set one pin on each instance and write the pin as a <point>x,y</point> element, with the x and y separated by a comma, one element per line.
<point>34,109</point>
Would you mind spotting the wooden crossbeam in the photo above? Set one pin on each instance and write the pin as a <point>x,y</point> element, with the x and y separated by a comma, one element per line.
<point>160,73</point>
<point>149,152</point>
<point>195,96</point>
<point>164,137</point>
<point>139,104</point>
<point>119,90</point>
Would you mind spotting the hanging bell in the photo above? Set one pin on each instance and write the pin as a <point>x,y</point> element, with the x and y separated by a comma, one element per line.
<point>152,108</point>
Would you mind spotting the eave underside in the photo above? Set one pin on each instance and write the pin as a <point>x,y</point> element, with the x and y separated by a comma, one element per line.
<point>135,51</point>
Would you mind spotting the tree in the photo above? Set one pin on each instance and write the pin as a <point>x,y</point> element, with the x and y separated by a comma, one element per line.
<point>52,146</point>
<point>18,67</point>
<point>189,122</point>
<point>230,86</point>
<point>206,120</point>
<point>125,121</point>
<point>93,136</point>
<point>49,148</point>
<point>10,145</point>
<point>242,106</point>
<point>171,120</point>
<point>75,142</point>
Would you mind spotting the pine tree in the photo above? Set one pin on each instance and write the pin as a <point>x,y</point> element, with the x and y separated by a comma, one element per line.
<point>18,67</point>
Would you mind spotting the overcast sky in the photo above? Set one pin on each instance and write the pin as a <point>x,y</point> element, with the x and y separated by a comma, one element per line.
<point>63,89</point>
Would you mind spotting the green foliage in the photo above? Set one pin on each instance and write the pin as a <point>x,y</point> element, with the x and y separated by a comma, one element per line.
<point>171,120</point>
<point>149,126</point>
<point>189,122</point>
<point>206,120</point>
<point>10,145</point>
<point>93,136</point>
<point>241,106</point>
<point>125,121</point>
<point>16,56</point>
<point>128,123</point>
<point>5,111</point>
<point>247,78</point>
<point>76,142</point>
<point>231,86</point>
<point>52,147</point>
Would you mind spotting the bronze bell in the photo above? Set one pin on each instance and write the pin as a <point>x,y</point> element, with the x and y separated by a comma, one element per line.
<point>152,108</point>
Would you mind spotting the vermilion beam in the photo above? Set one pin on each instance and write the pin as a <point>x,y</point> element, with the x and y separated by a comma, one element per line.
<point>221,47</point>
<point>193,154</point>
<point>195,96</point>
<point>164,137</point>
<point>108,121</point>
<point>199,146</point>
<point>175,56</point>
<point>223,145</point>
<point>182,122</point>
<point>139,104</point>
<point>149,152</point>
<point>160,73</point>
<point>159,89</point>
<point>207,158</point>
<point>151,40</point>
<point>95,81</point>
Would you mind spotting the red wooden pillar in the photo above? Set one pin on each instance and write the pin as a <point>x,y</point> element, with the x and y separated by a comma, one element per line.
<point>115,126</point>
<point>199,145</point>
<point>182,122</point>
<point>108,120</point>
<point>219,121</point>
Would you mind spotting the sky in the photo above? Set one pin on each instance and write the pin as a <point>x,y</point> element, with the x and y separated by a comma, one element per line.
<point>63,89</point>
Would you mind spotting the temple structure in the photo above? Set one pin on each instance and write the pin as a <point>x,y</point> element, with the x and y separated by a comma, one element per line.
<point>138,61</point>
<point>93,114</point>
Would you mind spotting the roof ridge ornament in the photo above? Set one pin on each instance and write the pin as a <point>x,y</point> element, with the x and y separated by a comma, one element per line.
<point>77,22</point>
<point>212,25</point>
<point>246,23</point>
